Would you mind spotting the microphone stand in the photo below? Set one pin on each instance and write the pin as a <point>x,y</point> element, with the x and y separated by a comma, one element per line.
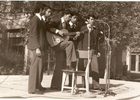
<point>108,60</point>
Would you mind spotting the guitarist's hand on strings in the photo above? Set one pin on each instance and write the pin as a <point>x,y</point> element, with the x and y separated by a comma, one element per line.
<point>76,36</point>
<point>61,33</point>
<point>77,33</point>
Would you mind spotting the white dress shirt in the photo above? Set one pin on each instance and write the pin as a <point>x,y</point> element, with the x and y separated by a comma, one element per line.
<point>38,15</point>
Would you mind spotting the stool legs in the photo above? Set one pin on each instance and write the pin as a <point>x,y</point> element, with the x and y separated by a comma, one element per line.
<point>75,81</point>
<point>63,81</point>
<point>72,87</point>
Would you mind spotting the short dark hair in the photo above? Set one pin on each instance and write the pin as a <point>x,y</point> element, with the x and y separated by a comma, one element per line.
<point>47,7</point>
<point>66,12</point>
<point>91,15</point>
<point>74,13</point>
<point>39,6</point>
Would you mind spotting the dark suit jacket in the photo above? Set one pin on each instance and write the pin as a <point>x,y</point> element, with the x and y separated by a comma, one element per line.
<point>57,25</point>
<point>94,39</point>
<point>94,44</point>
<point>74,29</point>
<point>36,35</point>
<point>45,27</point>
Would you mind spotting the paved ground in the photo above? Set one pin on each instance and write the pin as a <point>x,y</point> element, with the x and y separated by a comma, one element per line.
<point>15,86</point>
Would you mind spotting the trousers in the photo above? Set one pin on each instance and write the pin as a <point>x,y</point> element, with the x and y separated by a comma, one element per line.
<point>35,72</point>
<point>65,55</point>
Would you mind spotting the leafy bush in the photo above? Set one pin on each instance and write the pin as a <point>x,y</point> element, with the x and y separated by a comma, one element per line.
<point>11,63</point>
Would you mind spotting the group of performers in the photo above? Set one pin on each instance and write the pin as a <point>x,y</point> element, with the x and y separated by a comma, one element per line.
<point>52,33</point>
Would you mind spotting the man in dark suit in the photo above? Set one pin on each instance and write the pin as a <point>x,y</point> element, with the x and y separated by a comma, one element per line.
<point>73,27</point>
<point>95,34</point>
<point>36,45</point>
<point>65,50</point>
<point>45,27</point>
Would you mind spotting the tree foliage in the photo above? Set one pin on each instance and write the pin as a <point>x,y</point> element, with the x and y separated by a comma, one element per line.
<point>122,17</point>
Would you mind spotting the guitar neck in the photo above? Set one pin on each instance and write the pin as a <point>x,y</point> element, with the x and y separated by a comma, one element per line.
<point>71,33</point>
<point>74,33</point>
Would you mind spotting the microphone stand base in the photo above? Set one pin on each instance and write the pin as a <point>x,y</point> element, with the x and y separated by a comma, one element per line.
<point>107,93</point>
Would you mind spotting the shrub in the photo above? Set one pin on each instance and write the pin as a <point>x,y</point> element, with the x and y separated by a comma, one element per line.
<point>12,63</point>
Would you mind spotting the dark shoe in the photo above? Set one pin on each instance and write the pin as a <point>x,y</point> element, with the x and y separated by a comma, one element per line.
<point>37,91</point>
<point>101,89</point>
<point>70,68</point>
<point>55,88</point>
<point>43,89</point>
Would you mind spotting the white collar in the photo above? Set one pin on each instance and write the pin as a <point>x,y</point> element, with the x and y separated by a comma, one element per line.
<point>71,24</point>
<point>38,15</point>
<point>43,17</point>
<point>62,20</point>
<point>88,26</point>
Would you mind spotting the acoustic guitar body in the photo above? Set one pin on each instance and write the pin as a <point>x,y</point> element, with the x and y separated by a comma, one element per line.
<point>55,39</point>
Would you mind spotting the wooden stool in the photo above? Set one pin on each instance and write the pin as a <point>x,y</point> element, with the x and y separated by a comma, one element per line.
<point>81,54</point>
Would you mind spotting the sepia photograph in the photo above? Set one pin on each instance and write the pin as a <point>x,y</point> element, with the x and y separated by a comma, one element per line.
<point>70,49</point>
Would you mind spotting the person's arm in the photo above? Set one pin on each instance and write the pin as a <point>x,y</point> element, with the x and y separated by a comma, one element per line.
<point>99,36</point>
<point>35,36</point>
<point>35,33</point>
<point>53,27</point>
<point>78,32</point>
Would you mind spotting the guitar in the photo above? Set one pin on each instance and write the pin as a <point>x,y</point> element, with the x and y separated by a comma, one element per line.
<point>55,39</point>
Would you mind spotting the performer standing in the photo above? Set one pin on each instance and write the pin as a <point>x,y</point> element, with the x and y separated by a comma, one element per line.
<point>45,27</point>
<point>95,35</point>
<point>65,50</point>
<point>35,45</point>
